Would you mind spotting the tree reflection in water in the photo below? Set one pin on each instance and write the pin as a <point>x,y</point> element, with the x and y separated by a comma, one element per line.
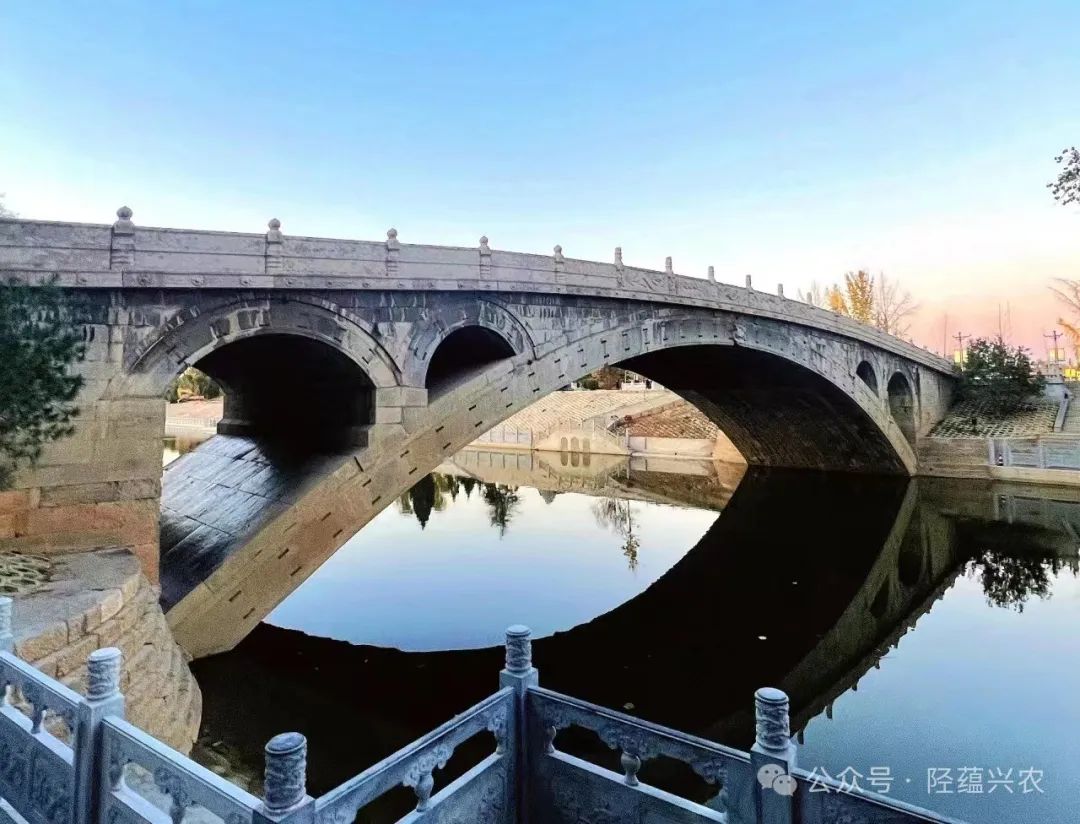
<point>617,514</point>
<point>1010,580</point>
<point>502,500</point>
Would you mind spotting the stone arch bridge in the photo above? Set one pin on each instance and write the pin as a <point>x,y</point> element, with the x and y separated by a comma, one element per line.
<point>353,368</point>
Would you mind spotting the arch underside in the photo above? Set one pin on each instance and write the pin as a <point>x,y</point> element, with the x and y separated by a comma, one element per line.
<point>778,412</point>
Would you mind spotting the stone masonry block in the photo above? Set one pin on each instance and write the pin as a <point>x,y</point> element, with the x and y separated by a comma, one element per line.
<point>69,658</point>
<point>45,643</point>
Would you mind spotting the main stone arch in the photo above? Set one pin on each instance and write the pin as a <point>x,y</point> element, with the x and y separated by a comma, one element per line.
<point>813,379</point>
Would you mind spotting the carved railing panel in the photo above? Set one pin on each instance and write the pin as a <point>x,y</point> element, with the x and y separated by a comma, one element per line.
<point>414,766</point>
<point>568,790</point>
<point>480,796</point>
<point>638,741</point>
<point>43,698</point>
<point>37,775</point>
<point>823,800</point>
<point>179,780</point>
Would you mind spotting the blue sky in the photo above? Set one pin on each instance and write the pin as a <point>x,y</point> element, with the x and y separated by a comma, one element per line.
<point>791,140</point>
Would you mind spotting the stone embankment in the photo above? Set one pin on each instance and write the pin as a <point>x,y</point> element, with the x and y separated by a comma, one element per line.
<point>1035,444</point>
<point>66,606</point>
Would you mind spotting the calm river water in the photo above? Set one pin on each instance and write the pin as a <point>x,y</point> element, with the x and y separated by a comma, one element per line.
<point>926,631</point>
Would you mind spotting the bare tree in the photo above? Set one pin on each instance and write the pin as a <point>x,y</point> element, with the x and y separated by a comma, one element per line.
<point>1068,292</point>
<point>815,295</point>
<point>893,306</point>
<point>4,210</point>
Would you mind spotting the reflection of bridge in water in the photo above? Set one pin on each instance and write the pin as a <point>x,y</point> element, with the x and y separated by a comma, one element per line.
<point>805,581</point>
<point>698,483</point>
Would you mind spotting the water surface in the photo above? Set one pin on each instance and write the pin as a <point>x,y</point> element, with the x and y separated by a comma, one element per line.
<point>917,626</point>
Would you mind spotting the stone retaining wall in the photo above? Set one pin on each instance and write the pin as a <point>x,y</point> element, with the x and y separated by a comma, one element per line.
<point>100,599</point>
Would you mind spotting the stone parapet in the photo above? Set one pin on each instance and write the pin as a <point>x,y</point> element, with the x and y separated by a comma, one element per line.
<point>83,256</point>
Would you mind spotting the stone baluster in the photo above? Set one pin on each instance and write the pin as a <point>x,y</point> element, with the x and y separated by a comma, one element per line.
<point>485,257</point>
<point>631,764</point>
<point>7,638</point>
<point>780,289</point>
<point>560,261</point>
<point>122,255</point>
<point>285,795</point>
<point>520,674</point>
<point>103,698</point>
<point>712,274</point>
<point>773,757</point>
<point>274,243</point>
<point>749,282</point>
<point>393,249</point>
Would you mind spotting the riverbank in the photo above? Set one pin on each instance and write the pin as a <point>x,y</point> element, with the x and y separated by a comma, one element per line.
<point>67,606</point>
<point>1039,443</point>
<point>653,422</point>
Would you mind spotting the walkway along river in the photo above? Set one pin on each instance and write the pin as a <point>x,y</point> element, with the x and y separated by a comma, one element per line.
<point>924,629</point>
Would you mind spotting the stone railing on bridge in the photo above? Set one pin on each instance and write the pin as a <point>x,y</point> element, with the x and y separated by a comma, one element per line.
<point>123,255</point>
<point>67,759</point>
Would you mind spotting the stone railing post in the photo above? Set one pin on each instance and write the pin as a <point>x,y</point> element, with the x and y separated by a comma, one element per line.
<point>619,266</point>
<point>520,674</point>
<point>274,241</point>
<point>7,638</point>
<point>122,255</point>
<point>103,698</point>
<point>712,275</point>
<point>485,258</point>
<point>780,289</point>
<point>285,795</point>
<point>393,249</point>
<point>772,758</point>
<point>558,259</point>
<point>749,282</point>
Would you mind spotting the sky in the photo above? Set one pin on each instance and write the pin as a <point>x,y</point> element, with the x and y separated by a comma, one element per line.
<point>790,140</point>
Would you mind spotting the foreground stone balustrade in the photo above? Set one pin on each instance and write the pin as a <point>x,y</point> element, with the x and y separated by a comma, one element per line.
<point>93,766</point>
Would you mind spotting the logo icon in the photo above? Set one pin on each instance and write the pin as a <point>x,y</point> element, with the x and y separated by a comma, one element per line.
<point>774,777</point>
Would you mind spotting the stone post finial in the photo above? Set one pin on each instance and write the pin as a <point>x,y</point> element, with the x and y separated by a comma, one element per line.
<point>780,289</point>
<point>618,258</point>
<point>285,774</point>
<point>122,253</point>
<point>392,249</point>
<point>274,240</point>
<point>124,224</point>
<point>7,639</point>
<point>772,732</point>
<point>712,274</point>
<point>749,282</point>
<point>668,267</point>
<point>518,649</point>
<point>103,673</point>
<point>484,244</point>
<point>559,259</point>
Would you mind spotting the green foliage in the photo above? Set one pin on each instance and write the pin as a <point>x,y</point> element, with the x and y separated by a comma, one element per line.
<point>193,383</point>
<point>1066,188</point>
<point>999,377</point>
<point>40,340</point>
